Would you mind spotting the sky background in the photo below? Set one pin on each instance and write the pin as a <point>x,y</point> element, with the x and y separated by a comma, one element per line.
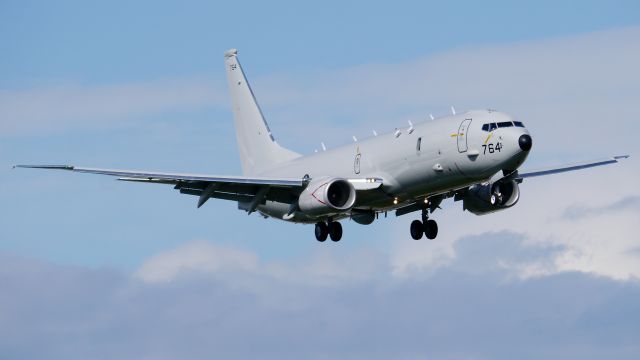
<point>95,268</point>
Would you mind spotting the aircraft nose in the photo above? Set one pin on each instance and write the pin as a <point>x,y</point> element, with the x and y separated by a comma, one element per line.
<point>525,142</point>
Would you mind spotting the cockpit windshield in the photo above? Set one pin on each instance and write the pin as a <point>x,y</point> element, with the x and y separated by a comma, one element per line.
<point>492,126</point>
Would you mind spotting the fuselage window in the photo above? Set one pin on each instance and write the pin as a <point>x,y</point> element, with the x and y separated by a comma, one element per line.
<point>419,144</point>
<point>518,124</point>
<point>505,124</point>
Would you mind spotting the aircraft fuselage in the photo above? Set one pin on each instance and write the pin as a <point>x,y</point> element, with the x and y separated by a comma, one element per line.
<point>436,157</point>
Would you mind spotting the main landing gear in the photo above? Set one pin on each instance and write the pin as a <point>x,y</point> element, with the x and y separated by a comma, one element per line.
<point>426,227</point>
<point>331,228</point>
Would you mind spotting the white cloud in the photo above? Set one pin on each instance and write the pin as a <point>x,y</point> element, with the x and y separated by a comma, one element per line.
<point>325,267</point>
<point>198,257</point>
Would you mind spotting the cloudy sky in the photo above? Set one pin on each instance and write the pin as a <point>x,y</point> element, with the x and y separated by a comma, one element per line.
<point>94,268</point>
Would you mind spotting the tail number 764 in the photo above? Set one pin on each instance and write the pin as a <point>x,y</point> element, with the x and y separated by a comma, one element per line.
<point>492,148</point>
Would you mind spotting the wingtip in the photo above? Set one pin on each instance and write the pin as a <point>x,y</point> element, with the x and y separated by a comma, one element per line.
<point>620,157</point>
<point>56,167</point>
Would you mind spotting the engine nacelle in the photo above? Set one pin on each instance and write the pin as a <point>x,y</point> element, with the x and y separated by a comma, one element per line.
<point>482,199</point>
<point>327,196</point>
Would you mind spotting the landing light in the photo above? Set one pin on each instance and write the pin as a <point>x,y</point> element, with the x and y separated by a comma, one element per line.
<point>395,201</point>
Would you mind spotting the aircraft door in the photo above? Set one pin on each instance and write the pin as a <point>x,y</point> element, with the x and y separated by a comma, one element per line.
<point>462,135</point>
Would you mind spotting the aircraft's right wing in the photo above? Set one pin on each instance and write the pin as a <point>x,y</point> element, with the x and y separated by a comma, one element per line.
<point>249,190</point>
<point>571,167</point>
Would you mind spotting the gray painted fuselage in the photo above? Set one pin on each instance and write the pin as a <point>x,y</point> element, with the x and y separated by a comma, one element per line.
<point>448,158</point>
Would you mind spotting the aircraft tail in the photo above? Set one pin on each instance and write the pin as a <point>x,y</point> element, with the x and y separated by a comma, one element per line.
<point>258,149</point>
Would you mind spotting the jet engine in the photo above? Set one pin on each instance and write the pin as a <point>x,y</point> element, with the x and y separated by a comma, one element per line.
<point>327,196</point>
<point>481,199</point>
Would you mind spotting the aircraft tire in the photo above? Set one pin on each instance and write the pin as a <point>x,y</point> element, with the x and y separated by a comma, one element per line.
<point>335,231</point>
<point>431,229</point>
<point>416,229</point>
<point>321,231</point>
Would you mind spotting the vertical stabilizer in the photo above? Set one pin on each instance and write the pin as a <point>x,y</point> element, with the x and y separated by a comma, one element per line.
<point>258,149</point>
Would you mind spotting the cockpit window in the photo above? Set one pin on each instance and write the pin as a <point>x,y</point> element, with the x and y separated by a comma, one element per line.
<point>492,126</point>
<point>489,127</point>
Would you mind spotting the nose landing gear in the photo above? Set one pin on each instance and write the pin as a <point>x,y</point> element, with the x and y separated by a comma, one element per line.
<point>426,227</point>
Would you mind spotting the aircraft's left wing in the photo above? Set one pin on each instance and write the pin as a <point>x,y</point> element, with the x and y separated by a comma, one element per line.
<point>571,167</point>
<point>249,190</point>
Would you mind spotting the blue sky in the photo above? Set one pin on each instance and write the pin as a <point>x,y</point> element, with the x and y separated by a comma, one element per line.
<point>141,85</point>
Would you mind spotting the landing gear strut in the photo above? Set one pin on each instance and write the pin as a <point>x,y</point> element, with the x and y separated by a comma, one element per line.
<point>427,227</point>
<point>331,228</point>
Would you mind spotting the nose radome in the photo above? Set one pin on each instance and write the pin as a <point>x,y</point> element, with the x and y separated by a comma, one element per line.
<point>525,142</point>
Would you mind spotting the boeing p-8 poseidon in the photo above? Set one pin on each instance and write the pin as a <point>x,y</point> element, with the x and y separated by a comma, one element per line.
<point>471,157</point>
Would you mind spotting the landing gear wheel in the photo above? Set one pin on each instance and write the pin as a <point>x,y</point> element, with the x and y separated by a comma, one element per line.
<point>321,231</point>
<point>431,229</point>
<point>417,230</point>
<point>335,231</point>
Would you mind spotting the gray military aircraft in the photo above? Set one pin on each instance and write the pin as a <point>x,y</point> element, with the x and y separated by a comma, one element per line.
<point>472,157</point>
